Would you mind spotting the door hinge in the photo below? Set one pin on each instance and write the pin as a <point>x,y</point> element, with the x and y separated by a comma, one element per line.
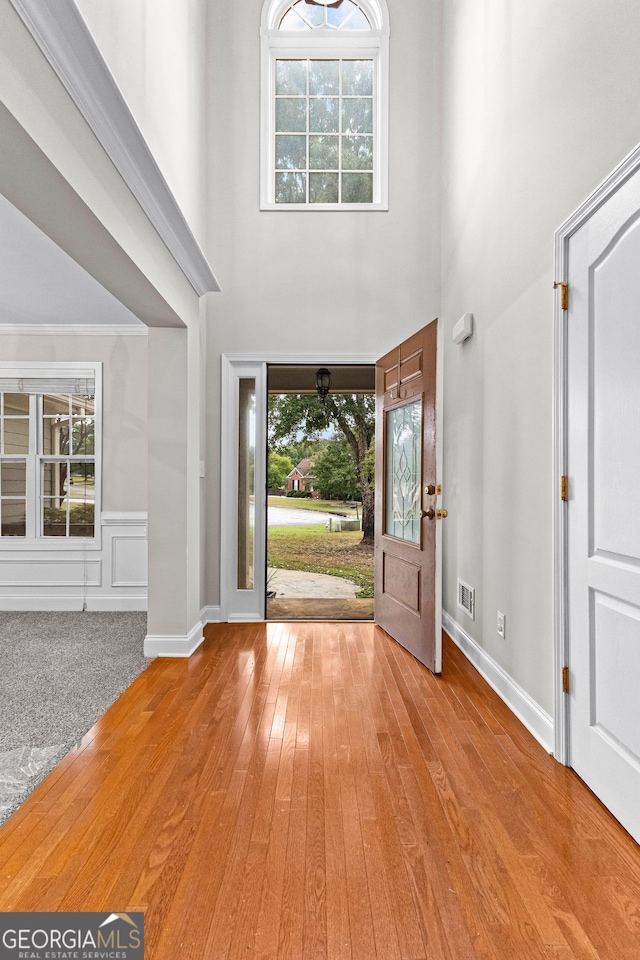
<point>564,488</point>
<point>565,680</point>
<point>564,293</point>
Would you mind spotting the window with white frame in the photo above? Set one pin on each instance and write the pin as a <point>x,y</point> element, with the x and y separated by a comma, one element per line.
<point>49,449</point>
<point>324,105</point>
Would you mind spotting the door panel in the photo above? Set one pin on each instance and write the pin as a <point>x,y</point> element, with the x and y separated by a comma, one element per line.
<point>604,508</point>
<point>407,561</point>
<point>401,581</point>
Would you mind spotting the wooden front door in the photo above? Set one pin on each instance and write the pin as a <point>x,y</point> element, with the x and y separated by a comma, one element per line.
<point>407,554</point>
<point>603,453</point>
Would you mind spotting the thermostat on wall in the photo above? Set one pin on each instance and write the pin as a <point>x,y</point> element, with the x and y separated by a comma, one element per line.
<point>463,328</point>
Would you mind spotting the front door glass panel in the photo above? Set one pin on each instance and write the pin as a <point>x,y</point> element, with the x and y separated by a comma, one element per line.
<point>403,471</point>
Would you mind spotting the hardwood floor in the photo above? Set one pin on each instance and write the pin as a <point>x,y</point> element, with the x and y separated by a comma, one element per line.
<point>309,790</point>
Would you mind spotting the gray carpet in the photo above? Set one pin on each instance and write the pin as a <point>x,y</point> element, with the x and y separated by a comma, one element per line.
<point>58,674</point>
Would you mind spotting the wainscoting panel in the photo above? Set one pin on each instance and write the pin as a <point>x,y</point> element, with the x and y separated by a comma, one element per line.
<point>112,575</point>
<point>129,561</point>
<point>58,572</point>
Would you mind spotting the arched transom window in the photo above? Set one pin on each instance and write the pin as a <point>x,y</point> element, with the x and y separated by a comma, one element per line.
<point>307,15</point>
<point>324,105</point>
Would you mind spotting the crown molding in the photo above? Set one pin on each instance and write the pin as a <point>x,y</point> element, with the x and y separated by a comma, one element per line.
<point>65,40</point>
<point>73,330</point>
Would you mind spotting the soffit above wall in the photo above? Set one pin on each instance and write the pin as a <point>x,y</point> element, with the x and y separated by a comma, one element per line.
<point>300,378</point>
<point>41,284</point>
<point>34,186</point>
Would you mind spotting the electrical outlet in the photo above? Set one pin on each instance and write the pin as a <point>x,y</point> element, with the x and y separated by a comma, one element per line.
<point>501,627</point>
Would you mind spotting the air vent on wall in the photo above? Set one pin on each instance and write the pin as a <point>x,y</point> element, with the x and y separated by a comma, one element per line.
<point>467,598</point>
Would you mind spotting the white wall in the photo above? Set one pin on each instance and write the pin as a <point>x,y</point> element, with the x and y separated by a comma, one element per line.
<point>56,172</point>
<point>307,282</point>
<point>155,50</point>
<point>539,104</point>
<point>103,227</point>
<point>124,402</point>
<point>112,573</point>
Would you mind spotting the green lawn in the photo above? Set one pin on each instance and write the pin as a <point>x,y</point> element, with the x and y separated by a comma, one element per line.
<point>314,549</point>
<point>338,507</point>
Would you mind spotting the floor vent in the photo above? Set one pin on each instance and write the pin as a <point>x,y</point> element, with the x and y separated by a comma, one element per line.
<point>467,598</point>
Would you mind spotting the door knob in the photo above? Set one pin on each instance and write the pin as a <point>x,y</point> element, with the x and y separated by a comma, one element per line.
<point>429,514</point>
<point>430,489</point>
<point>441,514</point>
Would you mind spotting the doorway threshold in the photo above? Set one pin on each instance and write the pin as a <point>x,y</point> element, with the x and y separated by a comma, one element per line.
<point>340,608</point>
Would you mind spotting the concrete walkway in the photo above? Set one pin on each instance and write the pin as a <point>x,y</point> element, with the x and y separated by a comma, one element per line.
<point>301,584</point>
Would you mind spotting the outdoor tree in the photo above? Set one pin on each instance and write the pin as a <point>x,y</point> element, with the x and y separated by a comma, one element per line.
<point>293,417</point>
<point>300,450</point>
<point>369,463</point>
<point>279,466</point>
<point>334,470</point>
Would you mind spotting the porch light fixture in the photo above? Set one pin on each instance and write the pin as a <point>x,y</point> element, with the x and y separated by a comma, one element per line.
<point>323,382</point>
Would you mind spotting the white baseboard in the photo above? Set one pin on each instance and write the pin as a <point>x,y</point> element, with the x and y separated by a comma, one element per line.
<point>117,603</point>
<point>174,646</point>
<point>211,614</point>
<point>35,603</point>
<point>537,721</point>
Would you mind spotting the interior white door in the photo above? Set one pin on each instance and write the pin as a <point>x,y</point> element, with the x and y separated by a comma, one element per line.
<point>604,503</point>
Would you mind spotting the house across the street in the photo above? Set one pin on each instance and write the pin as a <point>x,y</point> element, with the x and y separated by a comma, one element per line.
<point>302,478</point>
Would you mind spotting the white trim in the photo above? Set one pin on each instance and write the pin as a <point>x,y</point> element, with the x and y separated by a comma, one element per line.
<point>57,370</point>
<point>256,363</point>
<point>132,518</point>
<point>60,602</point>
<point>376,10</point>
<point>44,586</point>
<point>73,330</point>
<point>284,359</point>
<point>439,501</point>
<point>336,44</point>
<point>535,719</point>
<point>233,600</point>
<point>626,169</point>
<point>60,545</point>
<point>211,614</point>
<point>56,564</point>
<point>114,559</point>
<point>65,40</point>
<point>174,646</point>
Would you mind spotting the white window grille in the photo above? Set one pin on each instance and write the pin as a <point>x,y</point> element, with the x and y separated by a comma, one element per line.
<point>324,105</point>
